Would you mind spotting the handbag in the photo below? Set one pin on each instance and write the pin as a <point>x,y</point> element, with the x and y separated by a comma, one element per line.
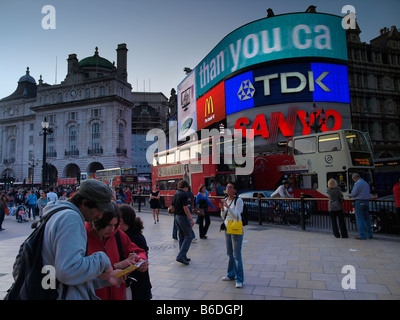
<point>199,211</point>
<point>234,227</point>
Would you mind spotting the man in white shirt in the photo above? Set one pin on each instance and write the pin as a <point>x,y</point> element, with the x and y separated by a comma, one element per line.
<point>282,191</point>
<point>52,196</point>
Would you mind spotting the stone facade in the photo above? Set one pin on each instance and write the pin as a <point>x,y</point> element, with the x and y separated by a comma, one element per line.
<point>374,79</point>
<point>90,113</point>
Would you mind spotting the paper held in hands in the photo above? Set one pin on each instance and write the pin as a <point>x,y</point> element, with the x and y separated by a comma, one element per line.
<point>129,269</point>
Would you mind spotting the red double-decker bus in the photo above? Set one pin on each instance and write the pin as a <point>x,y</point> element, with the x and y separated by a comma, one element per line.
<point>118,177</point>
<point>308,163</point>
<point>199,162</point>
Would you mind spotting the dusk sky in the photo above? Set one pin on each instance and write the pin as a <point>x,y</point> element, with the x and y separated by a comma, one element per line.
<point>162,36</point>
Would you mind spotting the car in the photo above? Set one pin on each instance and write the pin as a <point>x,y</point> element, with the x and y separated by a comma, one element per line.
<point>383,214</point>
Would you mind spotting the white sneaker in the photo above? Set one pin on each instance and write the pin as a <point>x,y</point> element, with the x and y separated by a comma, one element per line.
<point>227,279</point>
<point>239,285</point>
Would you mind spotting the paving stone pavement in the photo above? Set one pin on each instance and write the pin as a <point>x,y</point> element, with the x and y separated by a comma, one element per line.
<point>279,263</point>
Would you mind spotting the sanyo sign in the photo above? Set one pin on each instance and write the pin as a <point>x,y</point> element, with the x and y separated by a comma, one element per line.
<point>280,37</point>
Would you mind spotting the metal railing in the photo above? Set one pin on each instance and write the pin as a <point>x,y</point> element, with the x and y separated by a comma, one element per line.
<point>309,213</point>
<point>314,213</point>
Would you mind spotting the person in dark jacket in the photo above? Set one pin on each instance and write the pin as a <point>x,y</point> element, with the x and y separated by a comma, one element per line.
<point>336,209</point>
<point>133,226</point>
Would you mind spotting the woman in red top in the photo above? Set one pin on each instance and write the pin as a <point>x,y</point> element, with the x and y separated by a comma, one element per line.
<point>103,236</point>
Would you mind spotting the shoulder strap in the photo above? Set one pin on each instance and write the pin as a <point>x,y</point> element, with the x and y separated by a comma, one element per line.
<point>46,218</point>
<point>119,245</point>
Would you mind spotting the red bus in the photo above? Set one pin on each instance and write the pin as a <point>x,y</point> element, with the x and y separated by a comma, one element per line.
<point>308,163</point>
<point>118,177</point>
<point>197,163</point>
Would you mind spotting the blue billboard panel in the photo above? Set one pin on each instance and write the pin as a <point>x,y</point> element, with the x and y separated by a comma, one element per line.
<point>239,93</point>
<point>282,84</point>
<point>289,83</point>
<point>334,77</point>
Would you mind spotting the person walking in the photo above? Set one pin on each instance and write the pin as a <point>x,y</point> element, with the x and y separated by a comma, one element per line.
<point>203,202</point>
<point>335,208</point>
<point>42,202</point>
<point>65,243</point>
<point>31,201</point>
<point>133,227</point>
<point>361,194</point>
<point>105,235</point>
<point>182,213</point>
<point>155,203</point>
<point>3,207</point>
<point>231,209</point>
<point>51,195</point>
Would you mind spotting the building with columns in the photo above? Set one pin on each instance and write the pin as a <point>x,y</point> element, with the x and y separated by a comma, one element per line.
<point>89,112</point>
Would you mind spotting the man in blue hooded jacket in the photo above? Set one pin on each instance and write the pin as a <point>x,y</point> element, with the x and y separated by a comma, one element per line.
<point>65,241</point>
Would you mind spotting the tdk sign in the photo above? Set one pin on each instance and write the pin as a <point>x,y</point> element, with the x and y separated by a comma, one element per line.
<point>302,82</point>
<point>299,82</point>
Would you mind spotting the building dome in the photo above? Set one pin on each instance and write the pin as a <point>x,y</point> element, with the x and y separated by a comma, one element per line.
<point>96,61</point>
<point>27,77</point>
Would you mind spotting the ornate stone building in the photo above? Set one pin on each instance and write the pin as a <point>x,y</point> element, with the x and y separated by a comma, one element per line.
<point>374,79</point>
<point>90,115</point>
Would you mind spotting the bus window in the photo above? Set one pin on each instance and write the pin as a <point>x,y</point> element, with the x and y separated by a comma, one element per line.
<point>184,154</point>
<point>305,145</point>
<point>289,147</point>
<point>195,151</point>
<point>172,185</point>
<point>210,184</point>
<point>340,178</point>
<point>162,184</point>
<point>306,181</point>
<point>155,161</point>
<point>356,141</point>
<point>171,158</point>
<point>329,143</point>
<point>162,159</point>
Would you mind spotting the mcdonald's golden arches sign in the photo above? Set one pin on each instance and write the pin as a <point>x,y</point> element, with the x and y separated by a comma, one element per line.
<point>211,107</point>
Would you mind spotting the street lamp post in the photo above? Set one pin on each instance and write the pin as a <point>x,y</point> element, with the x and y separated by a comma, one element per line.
<point>33,163</point>
<point>46,131</point>
<point>315,126</point>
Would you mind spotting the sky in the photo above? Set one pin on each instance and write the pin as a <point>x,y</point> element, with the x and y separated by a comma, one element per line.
<point>162,36</point>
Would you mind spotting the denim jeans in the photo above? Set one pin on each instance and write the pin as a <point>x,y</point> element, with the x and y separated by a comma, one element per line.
<point>234,251</point>
<point>362,219</point>
<point>184,234</point>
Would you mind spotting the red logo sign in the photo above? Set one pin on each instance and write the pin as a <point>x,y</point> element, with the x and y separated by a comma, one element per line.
<point>211,107</point>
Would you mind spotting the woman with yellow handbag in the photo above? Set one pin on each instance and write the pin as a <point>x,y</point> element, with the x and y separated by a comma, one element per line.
<point>231,210</point>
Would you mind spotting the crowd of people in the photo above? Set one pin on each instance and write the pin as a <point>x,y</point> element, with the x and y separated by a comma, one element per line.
<point>100,233</point>
<point>96,237</point>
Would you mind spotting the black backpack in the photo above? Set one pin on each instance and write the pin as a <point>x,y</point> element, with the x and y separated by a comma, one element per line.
<point>27,268</point>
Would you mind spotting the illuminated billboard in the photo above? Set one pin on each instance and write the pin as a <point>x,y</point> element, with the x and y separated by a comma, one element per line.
<point>296,82</point>
<point>187,122</point>
<point>211,107</point>
<point>280,37</point>
<point>274,123</point>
